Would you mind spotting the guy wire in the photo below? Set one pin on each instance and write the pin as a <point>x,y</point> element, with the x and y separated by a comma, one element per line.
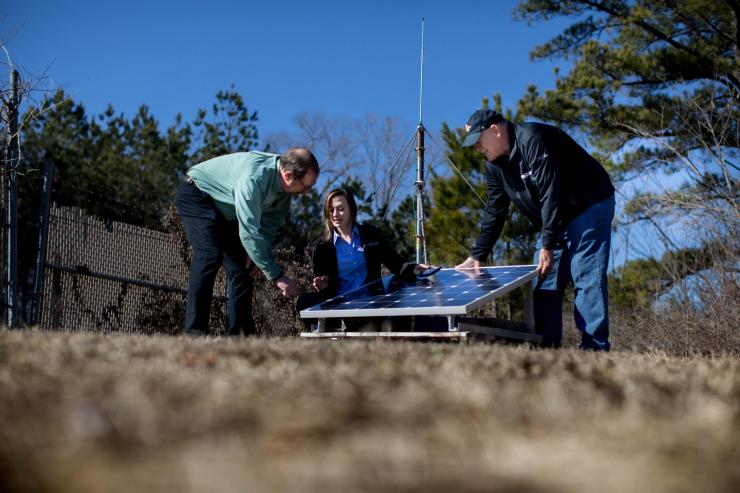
<point>439,147</point>
<point>398,181</point>
<point>395,162</point>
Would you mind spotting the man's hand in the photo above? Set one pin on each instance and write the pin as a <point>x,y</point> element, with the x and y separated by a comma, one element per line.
<point>287,286</point>
<point>320,283</point>
<point>419,268</point>
<point>470,263</point>
<point>546,261</point>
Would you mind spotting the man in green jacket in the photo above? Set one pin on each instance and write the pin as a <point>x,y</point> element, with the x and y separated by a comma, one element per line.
<point>231,208</point>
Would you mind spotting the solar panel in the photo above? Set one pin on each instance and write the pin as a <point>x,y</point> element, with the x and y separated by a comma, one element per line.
<point>448,292</point>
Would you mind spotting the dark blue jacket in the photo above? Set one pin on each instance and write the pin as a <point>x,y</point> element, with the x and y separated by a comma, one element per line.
<point>549,178</point>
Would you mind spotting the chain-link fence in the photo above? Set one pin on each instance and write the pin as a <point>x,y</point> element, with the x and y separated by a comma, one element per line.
<point>111,276</point>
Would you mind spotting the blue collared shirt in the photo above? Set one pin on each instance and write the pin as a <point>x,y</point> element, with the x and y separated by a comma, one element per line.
<point>351,262</point>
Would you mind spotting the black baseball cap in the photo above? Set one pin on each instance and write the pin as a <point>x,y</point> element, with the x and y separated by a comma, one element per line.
<point>479,121</point>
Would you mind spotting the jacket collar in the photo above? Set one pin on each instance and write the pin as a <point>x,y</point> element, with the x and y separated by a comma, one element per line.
<point>503,161</point>
<point>355,234</point>
<point>511,130</point>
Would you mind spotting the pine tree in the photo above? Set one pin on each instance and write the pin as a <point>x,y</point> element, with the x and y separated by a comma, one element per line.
<point>655,86</point>
<point>231,127</point>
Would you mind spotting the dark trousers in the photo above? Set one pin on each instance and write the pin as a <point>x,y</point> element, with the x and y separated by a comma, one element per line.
<point>215,242</point>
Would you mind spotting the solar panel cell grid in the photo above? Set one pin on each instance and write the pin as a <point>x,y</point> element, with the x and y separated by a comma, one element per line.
<point>448,292</point>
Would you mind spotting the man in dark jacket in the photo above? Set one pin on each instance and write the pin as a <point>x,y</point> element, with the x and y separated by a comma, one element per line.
<point>565,192</point>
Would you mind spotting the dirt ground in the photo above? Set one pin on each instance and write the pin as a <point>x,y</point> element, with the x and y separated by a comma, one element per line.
<point>112,413</point>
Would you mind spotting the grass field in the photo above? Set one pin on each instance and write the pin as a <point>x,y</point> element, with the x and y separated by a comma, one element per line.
<point>109,413</point>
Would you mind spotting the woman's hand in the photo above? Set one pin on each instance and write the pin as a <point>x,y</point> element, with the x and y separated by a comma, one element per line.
<point>419,268</point>
<point>320,283</point>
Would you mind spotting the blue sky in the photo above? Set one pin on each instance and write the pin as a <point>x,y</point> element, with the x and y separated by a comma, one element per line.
<point>340,57</point>
<point>343,58</point>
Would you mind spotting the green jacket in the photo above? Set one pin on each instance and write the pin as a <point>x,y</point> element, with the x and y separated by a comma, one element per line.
<point>246,187</point>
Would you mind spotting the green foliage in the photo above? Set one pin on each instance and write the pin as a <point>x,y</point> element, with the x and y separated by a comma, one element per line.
<point>401,228</point>
<point>229,128</point>
<point>126,169</point>
<point>655,86</point>
<point>304,224</point>
<point>639,282</point>
<point>454,220</point>
<point>120,169</point>
<point>641,71</point>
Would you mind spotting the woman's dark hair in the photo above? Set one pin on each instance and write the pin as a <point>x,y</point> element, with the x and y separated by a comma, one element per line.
<point>337,192</point>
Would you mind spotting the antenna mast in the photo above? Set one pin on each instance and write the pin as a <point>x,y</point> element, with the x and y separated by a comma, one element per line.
<point>421,245</point>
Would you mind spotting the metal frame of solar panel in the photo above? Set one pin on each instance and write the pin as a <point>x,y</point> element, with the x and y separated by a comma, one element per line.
<point>448,292</point>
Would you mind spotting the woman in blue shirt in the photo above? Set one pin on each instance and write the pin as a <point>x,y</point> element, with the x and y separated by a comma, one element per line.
<point>350,254</point>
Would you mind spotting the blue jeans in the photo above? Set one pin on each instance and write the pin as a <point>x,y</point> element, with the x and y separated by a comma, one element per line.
<point>215,242</point>
<point>581,256</point>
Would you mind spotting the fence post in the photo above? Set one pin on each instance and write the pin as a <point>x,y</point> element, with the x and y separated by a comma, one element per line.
<point>38,281</point>
<point>11,224</point>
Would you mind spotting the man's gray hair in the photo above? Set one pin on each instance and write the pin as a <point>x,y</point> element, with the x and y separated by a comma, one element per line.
<point>299,161</point>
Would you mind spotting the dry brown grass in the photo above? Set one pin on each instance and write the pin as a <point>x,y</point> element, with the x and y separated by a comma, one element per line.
<point>110,413</point>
